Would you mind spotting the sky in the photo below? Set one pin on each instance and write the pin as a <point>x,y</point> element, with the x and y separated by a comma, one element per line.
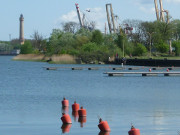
<point>45,15</point>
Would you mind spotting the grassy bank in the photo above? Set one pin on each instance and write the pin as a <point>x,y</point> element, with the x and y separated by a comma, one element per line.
<point>54,59</point>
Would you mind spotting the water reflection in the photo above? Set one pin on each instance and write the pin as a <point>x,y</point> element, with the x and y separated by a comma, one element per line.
<point>66,128</point>
<point>75,116</point>
<point>65,109</point>
<point>104,133</point>
<point>82,120</point>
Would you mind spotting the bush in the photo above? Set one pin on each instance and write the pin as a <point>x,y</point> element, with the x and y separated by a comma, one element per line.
<point>26,48</point>
<point>176,45</point>
<point>139,50</point>
<point>162,47</point>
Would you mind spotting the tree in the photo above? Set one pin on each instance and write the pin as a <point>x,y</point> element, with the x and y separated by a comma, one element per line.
<point>26,48</point>
<point>38,41</point>
<point>162,47</point>
<point>97,37</point>
<point>139,50</point>
<point>176,45</point>
<point>71,27</point>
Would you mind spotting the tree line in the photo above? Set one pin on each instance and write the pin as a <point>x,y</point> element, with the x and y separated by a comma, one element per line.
<point>147,39</point>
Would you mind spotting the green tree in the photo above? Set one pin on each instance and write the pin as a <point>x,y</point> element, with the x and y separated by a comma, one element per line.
<point>26,48</point>
<point>97,37</point>
<point>176,45</point>
<point>162,47</point>
<point>139,50</point>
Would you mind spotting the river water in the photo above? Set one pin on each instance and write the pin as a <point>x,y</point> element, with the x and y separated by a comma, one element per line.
<point>30,100</point>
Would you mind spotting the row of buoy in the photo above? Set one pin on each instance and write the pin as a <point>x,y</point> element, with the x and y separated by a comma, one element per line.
<point>103,125</point>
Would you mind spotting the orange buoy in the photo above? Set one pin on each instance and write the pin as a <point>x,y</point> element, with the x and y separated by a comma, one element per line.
<point>134,131</point>
<point>65,102</point>
<point>82,112</point>
<point>75,107</point>
<point>66,119</point>
<point>150,70</point>
<point>103,126</point>
<point>66,128</point>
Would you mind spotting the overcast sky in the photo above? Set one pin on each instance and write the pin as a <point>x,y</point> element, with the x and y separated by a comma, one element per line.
<point>45,15</point>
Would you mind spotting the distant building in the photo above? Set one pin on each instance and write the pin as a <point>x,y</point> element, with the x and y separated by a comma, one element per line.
<point>21,30</point>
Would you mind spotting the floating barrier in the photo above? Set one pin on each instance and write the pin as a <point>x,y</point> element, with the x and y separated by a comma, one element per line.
<point>66,128</point>
<point>66,119</point>
<point>77,68</point>
<point>133,68</point>
<point>143,73</point>
<point>118,68</point>
<point>51,68</point>
<point>134,131</point>
<point>65,102</point>
<point>103,126</point>
<point>75,107</point>
<point>93,68</point>
<point>82,112</point>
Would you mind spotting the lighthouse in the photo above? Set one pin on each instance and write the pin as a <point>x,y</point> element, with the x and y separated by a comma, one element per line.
<point>21,30</point>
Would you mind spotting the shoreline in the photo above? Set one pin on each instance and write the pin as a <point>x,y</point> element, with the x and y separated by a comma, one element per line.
<point>54,59</point>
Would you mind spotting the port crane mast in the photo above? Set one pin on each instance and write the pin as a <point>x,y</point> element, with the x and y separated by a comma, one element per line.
<point>160,13</point>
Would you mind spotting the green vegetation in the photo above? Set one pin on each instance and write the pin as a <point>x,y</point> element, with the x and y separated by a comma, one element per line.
<point>148,39</point>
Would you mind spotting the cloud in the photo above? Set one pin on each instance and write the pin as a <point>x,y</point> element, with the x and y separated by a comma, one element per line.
<point>97,15</point>
<point>71,16</point>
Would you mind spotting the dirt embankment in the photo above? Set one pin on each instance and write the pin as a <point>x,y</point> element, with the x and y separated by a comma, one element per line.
<point>62,59</point>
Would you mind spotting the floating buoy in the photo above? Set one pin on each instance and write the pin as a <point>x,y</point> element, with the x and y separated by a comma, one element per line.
<point>150,70</point>
<point>66,128</point>
<point>65,102</point>
<point>103,126</point>
<point>66,119</point>
<point>82,112</point>
<point>134,131</point>
<point>75,107</point>
<point>82,120</point>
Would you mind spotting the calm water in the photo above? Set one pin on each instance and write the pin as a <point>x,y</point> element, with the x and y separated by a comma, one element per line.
<point>30,100</point>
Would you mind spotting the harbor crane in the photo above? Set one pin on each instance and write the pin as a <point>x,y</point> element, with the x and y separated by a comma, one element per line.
<point>160,13</point>
<point>111,22</point>
<point>79,15</point>
<point>90,25</point>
